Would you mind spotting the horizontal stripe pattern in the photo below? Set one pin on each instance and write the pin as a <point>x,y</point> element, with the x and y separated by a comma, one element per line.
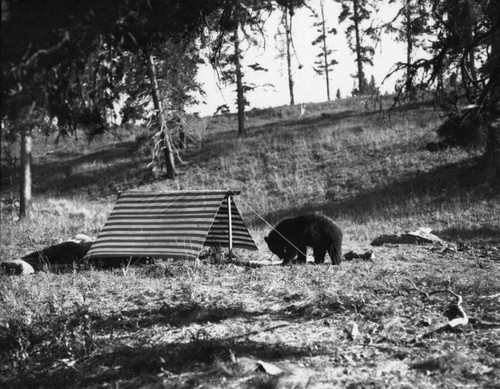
<point>170,225</point>
<point>219,232</point>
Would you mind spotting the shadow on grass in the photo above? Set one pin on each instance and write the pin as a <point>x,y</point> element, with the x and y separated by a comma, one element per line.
<point>98,173</point>
<point>150,359</point>
<point>149,364</point>
<point>488,233</point>
<point>117,166</point>
<point>172,315</point>
<point>418,194</point>
<point>226,144</point>
<point>111,360</point>
<point>182,315</point>
<point>328,119</point>
<point>316,120</point>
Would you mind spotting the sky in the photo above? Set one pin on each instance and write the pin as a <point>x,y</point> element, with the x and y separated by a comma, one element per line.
<point>309,87</point>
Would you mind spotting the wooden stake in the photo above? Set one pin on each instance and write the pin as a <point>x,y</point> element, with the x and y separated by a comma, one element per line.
<point>25,188</point>
<point>230,256</point>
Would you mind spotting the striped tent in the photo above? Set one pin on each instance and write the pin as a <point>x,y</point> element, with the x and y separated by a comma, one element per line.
<point>171,225</point>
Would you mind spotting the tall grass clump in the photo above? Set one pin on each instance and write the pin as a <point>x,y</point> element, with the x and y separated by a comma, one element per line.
<point>41,318</point>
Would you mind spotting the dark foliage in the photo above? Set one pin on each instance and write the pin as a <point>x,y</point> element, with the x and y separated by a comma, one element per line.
<point>68,58</point>
<point>462,131</point>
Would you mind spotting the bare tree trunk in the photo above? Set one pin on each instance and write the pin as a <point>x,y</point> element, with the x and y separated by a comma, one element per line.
<point>160,118</point>
<point>288,36</point>
<point>467,21</point>
<point>239,84</point>
<point>325,51</point>
<point>182,131</point>
<point>182,137</point>
<point>492,154</point>
<point>361,76</point>
<point>471,57</point>
<point>25,189</point>
<point>409,50</point>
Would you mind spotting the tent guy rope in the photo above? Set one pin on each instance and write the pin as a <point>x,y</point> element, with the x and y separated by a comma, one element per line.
<point>269,224</point>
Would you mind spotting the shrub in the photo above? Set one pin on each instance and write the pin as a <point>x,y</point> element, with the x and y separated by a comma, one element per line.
<point>463,131</point>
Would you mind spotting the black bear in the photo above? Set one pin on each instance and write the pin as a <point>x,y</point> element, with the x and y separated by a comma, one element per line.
<point>291,237</point>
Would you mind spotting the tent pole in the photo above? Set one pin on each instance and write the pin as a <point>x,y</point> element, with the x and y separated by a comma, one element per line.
<point>230,255</point>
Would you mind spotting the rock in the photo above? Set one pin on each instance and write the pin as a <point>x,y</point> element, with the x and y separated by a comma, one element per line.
<point>396,239</point>
<point>81,238</point>
<point>16,267</point>
<point>421,236</point>
<point>367,256</point>
<point>350,255</point>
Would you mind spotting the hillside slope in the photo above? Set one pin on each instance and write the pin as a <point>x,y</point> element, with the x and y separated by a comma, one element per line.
<point>369,171</point>
<point>180,324</point>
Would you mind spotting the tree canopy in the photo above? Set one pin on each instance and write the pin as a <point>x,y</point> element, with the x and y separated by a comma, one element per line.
<point>67,56</point>
<point>65,64</point>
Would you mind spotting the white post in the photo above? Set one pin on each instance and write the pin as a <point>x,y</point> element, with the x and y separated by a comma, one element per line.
<point>25,192</point>
<point>230,228</point>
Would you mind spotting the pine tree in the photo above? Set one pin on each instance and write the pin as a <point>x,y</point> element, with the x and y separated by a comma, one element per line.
<point>410,24</point>
<point>324,62</point>
<point>371,87</point>
<point>288,8</point>
<point>460,30</point>
<point>360,38</point>
<point>244,21</point>
<point>64,62</point>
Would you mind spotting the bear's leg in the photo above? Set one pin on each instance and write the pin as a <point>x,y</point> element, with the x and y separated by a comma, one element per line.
<point>335,254</point>
<point>289,255</point>
<point>285,262</point>
<point>301,258</point>
<point>319,254</point>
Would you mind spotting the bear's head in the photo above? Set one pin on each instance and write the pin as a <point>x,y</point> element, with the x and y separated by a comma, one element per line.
<point>279,247</point>
<point>275,247</point>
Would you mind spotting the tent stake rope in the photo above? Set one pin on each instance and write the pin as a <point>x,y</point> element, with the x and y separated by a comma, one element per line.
<point>265,221</point>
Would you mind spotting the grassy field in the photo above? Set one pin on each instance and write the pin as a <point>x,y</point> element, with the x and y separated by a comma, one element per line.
<point>193,325</point>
